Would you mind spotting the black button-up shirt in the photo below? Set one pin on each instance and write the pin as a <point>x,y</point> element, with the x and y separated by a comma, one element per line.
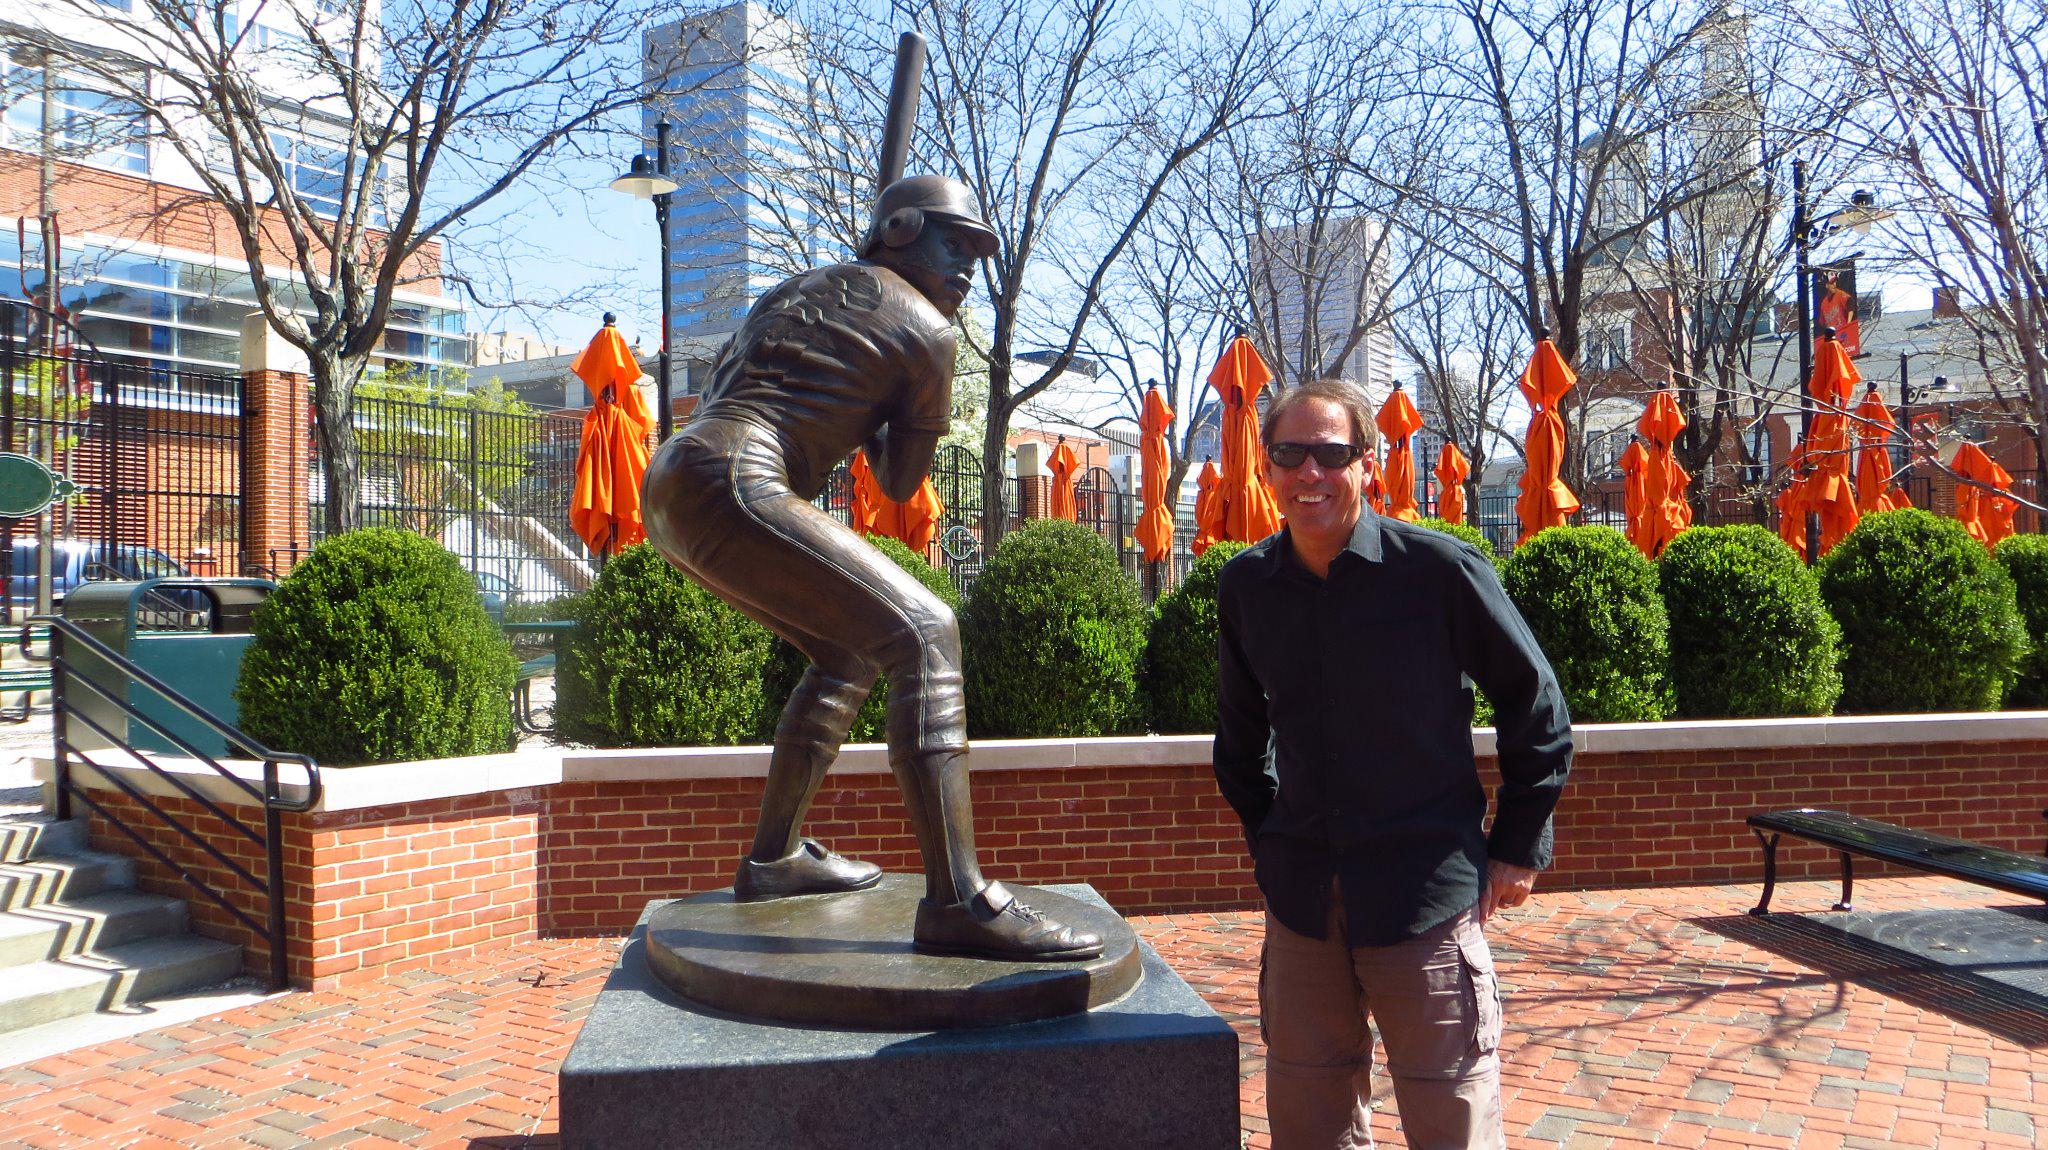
<point>1344,737</point>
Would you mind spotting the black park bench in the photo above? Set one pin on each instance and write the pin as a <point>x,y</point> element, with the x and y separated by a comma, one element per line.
<point>1851,835</point>
<point>26,679</point>
<point>537,666</point>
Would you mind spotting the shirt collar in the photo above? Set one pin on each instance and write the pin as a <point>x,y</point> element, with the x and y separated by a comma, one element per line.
<point>1364,541</point>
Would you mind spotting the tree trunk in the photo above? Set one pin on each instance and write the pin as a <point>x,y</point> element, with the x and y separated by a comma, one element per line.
<point>995,494</point>
<point>335,378</point>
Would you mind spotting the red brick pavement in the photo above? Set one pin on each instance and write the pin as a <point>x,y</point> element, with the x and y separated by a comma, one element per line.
<point>1631,1023</point>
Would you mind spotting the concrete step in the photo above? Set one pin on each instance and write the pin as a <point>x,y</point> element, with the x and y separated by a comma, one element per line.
<point>95,922</point>
<point>25,837</point>
<point>58,878</point>
<point>113,977</point>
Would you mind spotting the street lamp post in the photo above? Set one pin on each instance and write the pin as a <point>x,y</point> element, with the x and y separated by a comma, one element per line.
<point>650,180</point>
<point>1808,230</point>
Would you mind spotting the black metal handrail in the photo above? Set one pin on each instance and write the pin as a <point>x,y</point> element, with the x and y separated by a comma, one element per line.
<point>271,798</point>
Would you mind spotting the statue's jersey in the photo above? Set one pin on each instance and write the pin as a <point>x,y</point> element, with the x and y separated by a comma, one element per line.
<point>829,356</point>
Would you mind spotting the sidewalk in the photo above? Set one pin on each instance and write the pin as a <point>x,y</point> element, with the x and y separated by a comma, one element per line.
<point>1636,1018</point>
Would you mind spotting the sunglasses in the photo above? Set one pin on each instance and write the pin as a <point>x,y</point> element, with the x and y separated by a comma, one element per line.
<point>1328,456</point>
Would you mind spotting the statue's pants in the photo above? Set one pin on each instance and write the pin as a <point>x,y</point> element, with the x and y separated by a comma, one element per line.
<point>719,506</point>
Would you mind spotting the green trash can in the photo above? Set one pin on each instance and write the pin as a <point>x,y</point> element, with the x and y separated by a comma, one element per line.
<point>188,632</point>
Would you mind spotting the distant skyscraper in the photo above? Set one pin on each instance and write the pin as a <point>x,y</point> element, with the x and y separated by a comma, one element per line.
<point>729,71</point>
<point>1315,286</point>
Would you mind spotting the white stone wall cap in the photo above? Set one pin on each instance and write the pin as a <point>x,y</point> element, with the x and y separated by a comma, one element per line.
<point>265,349</point>
<point>342,788</point>
<point>391,784</point>
<point>1033,459</point>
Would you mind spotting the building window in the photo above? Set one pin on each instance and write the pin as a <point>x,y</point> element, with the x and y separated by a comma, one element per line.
<point>1607,345</point>
<point>317,173</point>
<point>132,304</point>
<point>89,125</point>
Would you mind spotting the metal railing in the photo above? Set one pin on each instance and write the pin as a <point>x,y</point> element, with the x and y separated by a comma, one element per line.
<point>66,674</point>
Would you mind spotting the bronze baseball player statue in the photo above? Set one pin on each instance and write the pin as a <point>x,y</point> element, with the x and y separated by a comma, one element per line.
<point>854,355</point>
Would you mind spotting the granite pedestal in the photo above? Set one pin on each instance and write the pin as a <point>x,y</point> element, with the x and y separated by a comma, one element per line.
<point>1154,1068</point>
<point>846,960</point>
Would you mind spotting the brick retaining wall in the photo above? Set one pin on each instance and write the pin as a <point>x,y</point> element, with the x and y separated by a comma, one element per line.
<point>382,882</point>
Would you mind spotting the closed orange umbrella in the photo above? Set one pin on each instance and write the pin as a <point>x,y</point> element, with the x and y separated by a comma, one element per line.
<point>873,513</point>
<point>1634,462</point>
<point>1399,421</point>
<point>1792,502</point>
<point>867,495</point>
<point>1208,508</point>
<point>1452,470</point>
<point>1827,486</point>
<point>914,522</point>
<point>604,504</point>
<point>1250,512</point>
<point>1874,427</point>
<point>1375,484</point>
<point>1154,532</point>
<point>1985,514</point>
<point>1665,511</point>
<point>1545,500</point>
<point>1063,463</point>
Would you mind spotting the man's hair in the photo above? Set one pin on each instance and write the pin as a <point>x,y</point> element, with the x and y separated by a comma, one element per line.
<point>1337,391</point>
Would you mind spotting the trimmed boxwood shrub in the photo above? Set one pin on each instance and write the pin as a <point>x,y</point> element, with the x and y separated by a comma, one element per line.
<point>658,661</point>
<point>1466,532</point>
<point>376,649</point>
<point>2025,558</point>
<point>1929,620</point>
<point>1180,655</point>
<point>786,664</point>
<point>1482,708</point>
<point>1591,600</point>
<point>1054,633</point>
<point>1750,637</point>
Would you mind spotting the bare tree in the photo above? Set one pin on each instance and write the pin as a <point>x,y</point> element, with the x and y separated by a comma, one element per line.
<point>1468,342</point>
<point>1563,102</point>
<point>1308,207</point>
<point>1271,232</point>
<point>1159,323</point>
<point>1028,101</point>
<point>1068,119</point>
<point>1698,285</point>
<point>1958,124</point>
<point>343,142</point>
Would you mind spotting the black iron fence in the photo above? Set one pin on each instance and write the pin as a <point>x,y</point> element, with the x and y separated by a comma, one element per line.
<point>491,486</point>
<point>1100,506</point>
<point>1495,513</point>
<point>152,451</point>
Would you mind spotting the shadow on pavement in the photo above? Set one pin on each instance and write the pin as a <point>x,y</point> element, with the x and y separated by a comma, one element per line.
<point>1986,968</point>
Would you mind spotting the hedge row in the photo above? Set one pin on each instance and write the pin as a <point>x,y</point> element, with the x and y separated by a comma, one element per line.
<point>375,649</point>
<point>1906,614</point>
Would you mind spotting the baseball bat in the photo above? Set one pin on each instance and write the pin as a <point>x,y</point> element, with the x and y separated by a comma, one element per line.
<point>902,121</point>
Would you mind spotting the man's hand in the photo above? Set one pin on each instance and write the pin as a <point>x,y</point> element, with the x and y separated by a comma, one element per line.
<point>1506,885</point>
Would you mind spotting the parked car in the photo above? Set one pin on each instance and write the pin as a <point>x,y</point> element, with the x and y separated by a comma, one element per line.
<point>75,561</point>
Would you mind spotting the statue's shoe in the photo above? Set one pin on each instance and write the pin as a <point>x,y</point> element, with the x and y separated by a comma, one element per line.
<point>994,924</point>
<point>810,869</point>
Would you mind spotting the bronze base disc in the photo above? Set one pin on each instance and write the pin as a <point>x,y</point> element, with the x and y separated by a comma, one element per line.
<point>845,960</point>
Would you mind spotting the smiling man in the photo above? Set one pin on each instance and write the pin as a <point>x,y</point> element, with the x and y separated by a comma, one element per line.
<point>849,356</point>
<point>1349,645</point>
